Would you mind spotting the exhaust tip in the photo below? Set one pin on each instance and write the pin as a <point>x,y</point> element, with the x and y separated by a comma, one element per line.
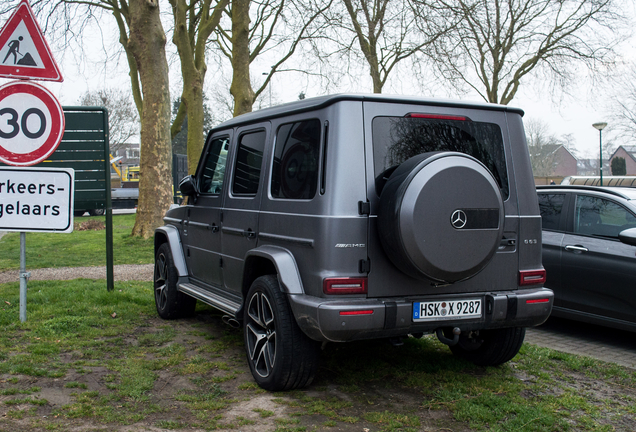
<point>231,321</point>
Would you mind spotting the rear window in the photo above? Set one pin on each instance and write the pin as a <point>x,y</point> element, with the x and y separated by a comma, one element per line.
<point>397,139</point>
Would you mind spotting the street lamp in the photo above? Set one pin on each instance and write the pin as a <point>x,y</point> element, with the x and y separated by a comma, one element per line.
<point>600,126</point>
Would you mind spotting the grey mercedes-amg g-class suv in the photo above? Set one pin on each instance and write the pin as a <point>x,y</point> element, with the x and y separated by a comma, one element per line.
<point>351,217</point>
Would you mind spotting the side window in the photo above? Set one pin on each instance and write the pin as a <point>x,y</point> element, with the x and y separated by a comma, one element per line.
<point>295,169</point>
<point>551,206</point>
<point>249,159</point>
<point>601,217</point>
<point>211,181</point>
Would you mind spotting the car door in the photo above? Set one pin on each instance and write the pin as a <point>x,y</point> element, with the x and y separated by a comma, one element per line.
<point>202,239</point>
<point>553,208</point>
<point>242,202</point>
<point>599,271</point>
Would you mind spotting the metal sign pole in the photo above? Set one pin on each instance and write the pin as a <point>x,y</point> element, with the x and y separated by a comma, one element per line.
<point>23,277</point>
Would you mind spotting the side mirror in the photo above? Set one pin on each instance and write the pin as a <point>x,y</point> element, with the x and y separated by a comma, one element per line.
<point>188,186</point>
<point>628,236</point>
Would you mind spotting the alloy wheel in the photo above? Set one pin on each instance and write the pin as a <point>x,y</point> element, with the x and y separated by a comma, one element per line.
<point>161,281</point>
<point>261,334</point>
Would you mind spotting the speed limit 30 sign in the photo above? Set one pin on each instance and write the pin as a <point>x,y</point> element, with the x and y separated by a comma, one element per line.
<point>31,123</point>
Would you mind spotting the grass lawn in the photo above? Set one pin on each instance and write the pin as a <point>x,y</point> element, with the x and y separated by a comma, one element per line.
<point>88,359</point>
<point>77,249</point>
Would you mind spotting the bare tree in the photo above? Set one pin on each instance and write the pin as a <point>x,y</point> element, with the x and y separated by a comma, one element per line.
<point>623,103</point>
<point>180,140</point>
<point>123,118</point>
<point>497,44</point>
<point>386,31</point>
<point>194,22</point>
<point>542,146</point>
<point>253,28</point>
<point>143,39</point>
<point>147,44</point>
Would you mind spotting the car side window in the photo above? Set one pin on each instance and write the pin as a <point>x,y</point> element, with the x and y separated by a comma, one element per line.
<point>550,206</point>
<point>214,168</point>
<point>296,155</point>
<point>249,159</point>
<point>601,217</point>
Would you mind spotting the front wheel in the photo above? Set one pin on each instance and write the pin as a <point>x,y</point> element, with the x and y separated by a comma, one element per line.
<point>280,355</point>
<point>170,302</point>
<point>490,347</point>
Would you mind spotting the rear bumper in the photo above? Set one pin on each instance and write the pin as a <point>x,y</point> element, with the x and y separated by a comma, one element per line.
<point>322,319</point>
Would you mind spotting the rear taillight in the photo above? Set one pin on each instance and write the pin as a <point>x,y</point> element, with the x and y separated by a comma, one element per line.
<point>436,116</point>
<point>345,286</point>
<point>531,277</point>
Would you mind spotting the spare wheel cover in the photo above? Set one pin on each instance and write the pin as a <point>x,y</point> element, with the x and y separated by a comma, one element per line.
<point>446,220</point>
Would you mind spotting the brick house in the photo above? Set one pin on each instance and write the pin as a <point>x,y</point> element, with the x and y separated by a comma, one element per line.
<point>565,162</point>
<point>550,163</point>
<point>629,154</point>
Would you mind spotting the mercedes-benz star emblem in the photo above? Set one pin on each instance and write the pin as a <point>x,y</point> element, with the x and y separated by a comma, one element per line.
<point>458,219</point>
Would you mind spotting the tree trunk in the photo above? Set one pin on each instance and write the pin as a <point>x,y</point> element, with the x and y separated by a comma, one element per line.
<point>375,73</point>
<point>147,43</point>
<point>241,88</point>
<point>191,36</point>
<point>194,104</point>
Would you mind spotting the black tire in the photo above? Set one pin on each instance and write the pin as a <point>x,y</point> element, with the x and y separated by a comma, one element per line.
<point>490,347</point>
<point>280,355</point>
<point>96,212</point>
<point>170,302</point>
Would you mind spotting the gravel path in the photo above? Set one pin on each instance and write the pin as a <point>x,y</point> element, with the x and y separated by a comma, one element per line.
<point>122,272</point>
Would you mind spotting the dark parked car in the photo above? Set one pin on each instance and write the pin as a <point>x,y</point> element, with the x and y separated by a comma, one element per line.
<point>352,217</point>
<point>589,252</point>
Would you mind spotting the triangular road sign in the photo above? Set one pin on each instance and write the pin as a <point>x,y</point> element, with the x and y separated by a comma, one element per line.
<point>24,52</point>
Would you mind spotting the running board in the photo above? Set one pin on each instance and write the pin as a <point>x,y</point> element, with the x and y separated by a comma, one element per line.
<point>214,300</point>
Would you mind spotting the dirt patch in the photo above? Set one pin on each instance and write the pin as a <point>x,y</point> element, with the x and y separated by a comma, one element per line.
<point>199,380</point>
<point>210,388</point>
<point>89,225</point>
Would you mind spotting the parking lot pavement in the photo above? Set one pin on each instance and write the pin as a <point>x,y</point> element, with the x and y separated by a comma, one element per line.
<point>602,343</point>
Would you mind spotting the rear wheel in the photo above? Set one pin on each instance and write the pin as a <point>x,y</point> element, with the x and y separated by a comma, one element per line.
<point>96,212</point>
<point>280,355</point>
<point>490,347</point>
<point>170,302</point>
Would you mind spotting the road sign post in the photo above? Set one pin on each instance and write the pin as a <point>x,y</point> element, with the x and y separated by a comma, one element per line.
<point>24,277</point>
<point>35,200</point>
<point>31,127</point>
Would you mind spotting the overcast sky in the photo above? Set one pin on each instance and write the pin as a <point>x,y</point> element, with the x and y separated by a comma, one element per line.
<point>564,114</point>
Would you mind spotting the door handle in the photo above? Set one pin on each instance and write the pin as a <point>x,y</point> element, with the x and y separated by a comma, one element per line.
<point>214,228</point>
<point>249,233</point>
<point>576,248</point>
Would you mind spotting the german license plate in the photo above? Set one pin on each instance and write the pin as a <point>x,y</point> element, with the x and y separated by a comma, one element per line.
<point>446,309</point>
